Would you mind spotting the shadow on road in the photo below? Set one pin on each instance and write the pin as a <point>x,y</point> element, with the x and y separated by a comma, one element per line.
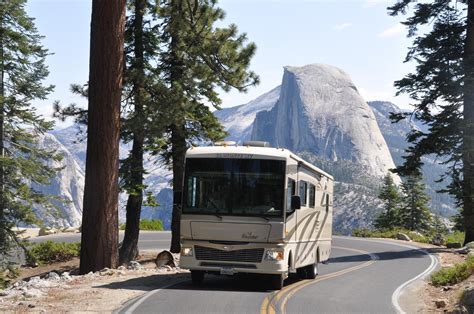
<point>239,282</point>
<point>387,255</point>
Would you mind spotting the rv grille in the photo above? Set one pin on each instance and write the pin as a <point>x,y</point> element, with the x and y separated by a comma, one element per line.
<point>210,254</point>
<point>221,265</point>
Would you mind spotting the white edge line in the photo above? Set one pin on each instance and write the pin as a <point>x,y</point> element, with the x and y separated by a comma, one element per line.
<point>149,294</point>
<point>397,293</point>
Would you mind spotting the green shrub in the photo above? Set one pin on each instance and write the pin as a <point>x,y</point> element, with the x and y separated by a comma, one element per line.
<point>7,274</point>
<point>148,224</point>
<point>455,237</point>
<point>49,252</point>
<point>455,274</point>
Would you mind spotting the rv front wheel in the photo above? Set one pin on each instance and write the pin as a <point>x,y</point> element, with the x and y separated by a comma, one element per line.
<point>197,277</point>
<point>276,281</point>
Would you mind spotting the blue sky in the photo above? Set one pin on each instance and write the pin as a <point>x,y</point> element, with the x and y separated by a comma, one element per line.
<point>356,36</point>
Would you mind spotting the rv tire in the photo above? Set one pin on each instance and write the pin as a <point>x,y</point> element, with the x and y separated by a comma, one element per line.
<point>311,271</point>
<point>301,272</point>
<point>276,281</point>
<point>197,277</point>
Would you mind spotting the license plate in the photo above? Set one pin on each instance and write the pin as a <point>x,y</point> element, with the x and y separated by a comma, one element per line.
<point>227,271</point>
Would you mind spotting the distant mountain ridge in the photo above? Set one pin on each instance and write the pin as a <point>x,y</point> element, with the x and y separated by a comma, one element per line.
<point>318,113</point>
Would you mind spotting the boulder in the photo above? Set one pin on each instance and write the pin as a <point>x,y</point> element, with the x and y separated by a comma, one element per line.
<point>134,265</point>
<point>470,246</point>
<point>66,276</point>
<point>165,258</point>
<point>437,240</point>
<point>453,245</point>
<point>468,299</point>
<point>47,231</point>
<point>106,272</point>
<point>52,276</point>
<point>440,303</point>
<point>402,236</point>
<point>32,293</point>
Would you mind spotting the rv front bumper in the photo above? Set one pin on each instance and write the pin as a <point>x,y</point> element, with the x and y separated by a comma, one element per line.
<point>229,259</point>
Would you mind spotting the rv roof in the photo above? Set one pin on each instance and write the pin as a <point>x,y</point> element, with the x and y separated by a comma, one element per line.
<point>249,152</point>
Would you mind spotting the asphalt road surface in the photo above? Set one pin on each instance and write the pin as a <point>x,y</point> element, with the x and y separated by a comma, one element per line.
<point>149,240</point>
<point>362,276</point>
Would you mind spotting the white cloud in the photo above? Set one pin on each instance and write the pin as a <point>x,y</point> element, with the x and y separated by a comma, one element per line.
<point>342,26</point>
<point>393,31</point>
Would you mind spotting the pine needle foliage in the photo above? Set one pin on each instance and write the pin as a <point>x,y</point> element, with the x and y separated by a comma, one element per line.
<point>22,161</point>
<point>442,89</point>
<point>389,218</point>
<point>414,212</point>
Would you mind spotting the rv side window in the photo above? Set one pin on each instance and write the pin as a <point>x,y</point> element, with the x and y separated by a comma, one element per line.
<point>312,195</point>
<point>327,202</point>
<point>291,192</point>
<point>303,187</point>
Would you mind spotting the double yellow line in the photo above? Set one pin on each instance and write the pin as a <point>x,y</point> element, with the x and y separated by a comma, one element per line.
<point>271,302</point>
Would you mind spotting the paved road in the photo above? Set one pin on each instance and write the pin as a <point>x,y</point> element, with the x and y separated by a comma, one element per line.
<point>363,276</point>
<point>148,240</point>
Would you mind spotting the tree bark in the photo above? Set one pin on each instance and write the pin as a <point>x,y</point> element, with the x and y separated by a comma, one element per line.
<point>3,223</point>
<point>129,248</point>
<point>178,143</point>
<point>468,132</point>
<point>99,242</point>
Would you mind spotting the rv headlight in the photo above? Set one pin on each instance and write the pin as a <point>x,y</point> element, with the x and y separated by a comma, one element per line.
<point>274,255</point>
<point>187,251</point>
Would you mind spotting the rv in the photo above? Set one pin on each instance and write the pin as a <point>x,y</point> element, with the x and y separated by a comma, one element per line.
<point>254,209</point>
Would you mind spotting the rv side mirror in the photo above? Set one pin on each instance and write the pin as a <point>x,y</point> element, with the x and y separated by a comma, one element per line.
<point>295,202</point>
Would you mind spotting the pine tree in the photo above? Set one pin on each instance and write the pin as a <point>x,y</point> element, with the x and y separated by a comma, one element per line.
<point>99,242</point>
<point>442,88</point>
<point>389,218</point>
<point>198,59</point>
<point>22,162</point>
<point>414,212</point>
<point>143,118</point>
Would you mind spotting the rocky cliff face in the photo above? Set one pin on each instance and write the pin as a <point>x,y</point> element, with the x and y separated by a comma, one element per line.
<point>321,111</point>
<point>157,179</point>
<point>395,135</point>
<point>238,121</point>
<point>68,184</point>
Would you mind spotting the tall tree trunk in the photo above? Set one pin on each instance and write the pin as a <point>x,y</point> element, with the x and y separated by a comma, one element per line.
<point>99,246</point>
<point>3,223</point>
<point>468,133</point>
<point>178,142</point>
<point>129,248</point>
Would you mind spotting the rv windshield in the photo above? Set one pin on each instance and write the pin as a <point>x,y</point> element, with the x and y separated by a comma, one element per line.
<point>227,186</point>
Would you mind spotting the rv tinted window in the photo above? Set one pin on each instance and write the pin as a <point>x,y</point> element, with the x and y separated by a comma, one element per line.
<point>291,192</point>
<point>312,195</point>
<point>228,186</point>
<point>303,187</point>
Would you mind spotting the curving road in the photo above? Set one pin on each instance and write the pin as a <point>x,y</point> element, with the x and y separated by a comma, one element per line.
<point>363,276</point>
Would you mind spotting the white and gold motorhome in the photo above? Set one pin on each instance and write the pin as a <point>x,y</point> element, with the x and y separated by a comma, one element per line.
<point>254,209</point>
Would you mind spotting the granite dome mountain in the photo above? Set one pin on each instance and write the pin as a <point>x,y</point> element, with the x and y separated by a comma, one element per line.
<point>316,112</point>
<point>320,111</point>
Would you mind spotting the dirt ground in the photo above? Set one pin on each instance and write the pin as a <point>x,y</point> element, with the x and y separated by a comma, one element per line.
<point>102,292</point>
<point>440,299</point>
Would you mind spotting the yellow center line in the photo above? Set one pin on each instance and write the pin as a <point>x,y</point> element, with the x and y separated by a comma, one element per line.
<point>267,306</point>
